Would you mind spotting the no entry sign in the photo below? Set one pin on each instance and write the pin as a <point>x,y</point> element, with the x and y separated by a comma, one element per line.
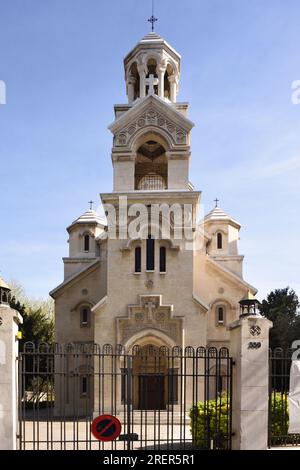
<point>106,428</point>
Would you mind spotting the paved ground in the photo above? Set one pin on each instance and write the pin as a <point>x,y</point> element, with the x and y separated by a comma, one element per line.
<point>286,448</point>
<point>43,435</point>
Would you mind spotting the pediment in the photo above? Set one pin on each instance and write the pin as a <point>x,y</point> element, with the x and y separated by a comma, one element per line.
<point>154,114</point>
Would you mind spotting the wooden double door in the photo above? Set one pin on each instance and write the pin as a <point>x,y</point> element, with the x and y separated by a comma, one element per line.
<point>152,392</point>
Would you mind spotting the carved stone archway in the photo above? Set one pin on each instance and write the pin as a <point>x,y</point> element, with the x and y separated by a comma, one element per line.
<point>149,314</point>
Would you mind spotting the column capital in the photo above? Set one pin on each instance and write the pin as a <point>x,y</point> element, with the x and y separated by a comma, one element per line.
<point>173,79</point>
<point>177,155</point>
<point>141,69</point>
<point>123,156</point>
<point>131,80</point>
<point>161,68</point>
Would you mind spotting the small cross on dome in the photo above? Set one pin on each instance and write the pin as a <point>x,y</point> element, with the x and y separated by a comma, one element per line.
<point>152,20</point>
<point>91,205</point>
<point>217,202</point>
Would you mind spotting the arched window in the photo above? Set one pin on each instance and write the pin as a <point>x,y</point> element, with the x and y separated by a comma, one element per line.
<point>220,315</point>
<point>85,316</point>
<point>86,243</point>
<point>4,297</point>
<point>138,259</point>
<point>162,259</point>
<point>217,381</point>
<point>84,386</point>
<point>219,241</point>
<point>150,254</point>
<point>152,182</point>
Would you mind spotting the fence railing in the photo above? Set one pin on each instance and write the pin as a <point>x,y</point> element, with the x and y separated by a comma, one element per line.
<point>165,398</point>
<point>280,361</point>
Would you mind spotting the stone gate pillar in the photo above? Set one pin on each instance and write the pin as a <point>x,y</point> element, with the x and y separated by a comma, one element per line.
<point>249,338</point>
<point>9,321</point>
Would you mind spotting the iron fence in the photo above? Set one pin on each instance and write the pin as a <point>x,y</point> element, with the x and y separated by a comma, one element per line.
<point>165,399</point>
<point>280,361</point>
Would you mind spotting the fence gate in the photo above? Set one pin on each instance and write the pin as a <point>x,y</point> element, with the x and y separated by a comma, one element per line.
<point>165,399</point>
<point>279,367</point>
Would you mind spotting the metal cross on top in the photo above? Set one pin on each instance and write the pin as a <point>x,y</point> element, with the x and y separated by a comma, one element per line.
<point>152,20</point>
<point>217,202</point>
<point>91,205</point>
<point>151,81</point>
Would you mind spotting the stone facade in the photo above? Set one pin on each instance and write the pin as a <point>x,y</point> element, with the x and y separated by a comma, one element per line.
<point>191,297</point>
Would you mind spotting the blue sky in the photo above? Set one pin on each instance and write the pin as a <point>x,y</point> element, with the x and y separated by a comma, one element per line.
<point>61,61</point>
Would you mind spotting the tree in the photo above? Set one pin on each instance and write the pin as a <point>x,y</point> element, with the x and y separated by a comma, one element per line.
<point>281,307</point>
<point>38,318</point>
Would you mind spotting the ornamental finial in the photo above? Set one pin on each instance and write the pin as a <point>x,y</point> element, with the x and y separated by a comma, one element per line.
<point>152,20</point>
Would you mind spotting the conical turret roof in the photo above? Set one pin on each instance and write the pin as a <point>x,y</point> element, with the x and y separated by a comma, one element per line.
<point>89,217</point>
<point>218,215</point>
<point>4,284</point>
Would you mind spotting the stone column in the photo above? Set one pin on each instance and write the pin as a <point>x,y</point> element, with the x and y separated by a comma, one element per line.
<point>173,86</point>
<point>9,321</point>
<point>161,70</point>
<point>130,88</point>
<point>142,73</point>
<point>249,345</point>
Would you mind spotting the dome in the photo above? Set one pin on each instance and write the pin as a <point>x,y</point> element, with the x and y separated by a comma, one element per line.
<point>3,284</point>
<point>218,215</point>
<point>89,217</point>
<point>152,67</point>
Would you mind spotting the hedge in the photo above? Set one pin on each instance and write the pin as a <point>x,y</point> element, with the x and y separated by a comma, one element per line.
<point>210,422</point>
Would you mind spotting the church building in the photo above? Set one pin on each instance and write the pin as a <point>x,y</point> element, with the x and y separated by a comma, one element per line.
<point>153,288</point>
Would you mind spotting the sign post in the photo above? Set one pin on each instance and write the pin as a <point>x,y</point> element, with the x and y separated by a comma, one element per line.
<point>106,428</point>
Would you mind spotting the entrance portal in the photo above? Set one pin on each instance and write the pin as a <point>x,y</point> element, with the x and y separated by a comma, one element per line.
<point>150,379</point>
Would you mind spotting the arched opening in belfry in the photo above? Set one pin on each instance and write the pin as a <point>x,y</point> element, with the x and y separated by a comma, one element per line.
<point>167,86</point>
<point>152,71</point>
<point>134,82</point>
<point>151,167</point>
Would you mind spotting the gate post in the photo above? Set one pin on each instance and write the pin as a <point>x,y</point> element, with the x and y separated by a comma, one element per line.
<point>9,321</point>
<point>249,346</point>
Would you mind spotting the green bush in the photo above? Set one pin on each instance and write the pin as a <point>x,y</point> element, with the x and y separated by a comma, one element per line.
<point>279,414</point>
<point>210,422</point>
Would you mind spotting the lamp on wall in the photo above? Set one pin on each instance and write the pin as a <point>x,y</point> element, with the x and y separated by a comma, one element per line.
<point>4,293</point>
<point>249,307</point>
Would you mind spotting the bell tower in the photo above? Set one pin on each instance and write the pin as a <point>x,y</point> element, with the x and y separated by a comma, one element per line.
<point>152,210</point>
<point>151,147</point>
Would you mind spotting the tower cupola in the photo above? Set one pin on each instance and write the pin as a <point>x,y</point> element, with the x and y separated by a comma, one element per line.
<point>152,67</point>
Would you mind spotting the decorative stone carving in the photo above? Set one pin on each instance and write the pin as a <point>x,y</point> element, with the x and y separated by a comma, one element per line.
<point>180,137</point>
<point>160,316</point>
<point>151,118</point>
<point>121,139</point>
<point>142,121</point>
<point>139,317</point>
<point>149,283</point>
<point>132,129</point>
<point>149,314</point>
